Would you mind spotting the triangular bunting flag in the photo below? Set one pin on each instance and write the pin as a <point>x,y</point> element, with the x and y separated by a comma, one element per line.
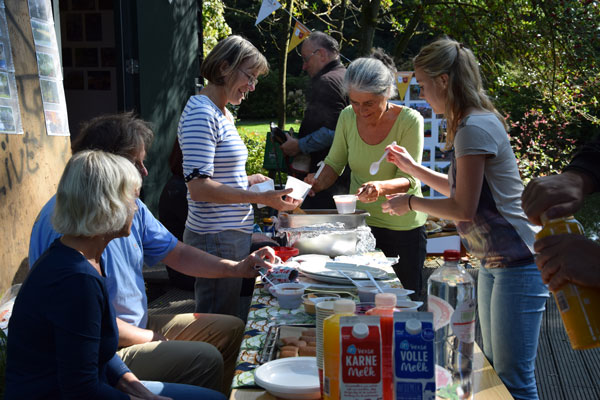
<point>301,32</point>
<point>403,79</point>
<point>266,8</point>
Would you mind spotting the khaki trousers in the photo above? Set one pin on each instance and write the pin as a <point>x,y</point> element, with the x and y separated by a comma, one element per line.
<point>201,350</point>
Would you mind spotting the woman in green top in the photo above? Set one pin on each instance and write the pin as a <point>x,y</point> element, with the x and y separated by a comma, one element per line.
<point>363,131</point>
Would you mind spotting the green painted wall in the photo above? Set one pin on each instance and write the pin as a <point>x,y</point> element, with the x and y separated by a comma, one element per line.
<point>168,47</point>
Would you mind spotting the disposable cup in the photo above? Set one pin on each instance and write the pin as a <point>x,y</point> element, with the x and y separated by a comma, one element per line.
<point>301,188</point>
<point>345,203</point>
<point>262,187</point>
<point>324,310</point>
<point>289,295</point>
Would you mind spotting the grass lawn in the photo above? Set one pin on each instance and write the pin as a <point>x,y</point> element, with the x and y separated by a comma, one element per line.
<point>261,127</point>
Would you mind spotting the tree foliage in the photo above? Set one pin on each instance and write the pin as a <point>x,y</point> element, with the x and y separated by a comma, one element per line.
<point>539,58</point>
<point>214,26</point>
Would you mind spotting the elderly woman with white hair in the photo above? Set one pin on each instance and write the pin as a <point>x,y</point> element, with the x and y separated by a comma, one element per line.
<point>63,334</point>
<point>364,130</point>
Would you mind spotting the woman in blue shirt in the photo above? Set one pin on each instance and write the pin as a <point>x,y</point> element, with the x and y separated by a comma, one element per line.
<point>63,334</point>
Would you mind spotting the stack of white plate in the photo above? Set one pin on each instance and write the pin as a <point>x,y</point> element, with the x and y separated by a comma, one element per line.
<point>330,271</point>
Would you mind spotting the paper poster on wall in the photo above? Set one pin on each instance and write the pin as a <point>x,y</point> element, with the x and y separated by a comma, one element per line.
<point>49,69</point>
<point>48,65</point>
<point>7,120</point>
<point>40,9</point>
<point>10,114</point>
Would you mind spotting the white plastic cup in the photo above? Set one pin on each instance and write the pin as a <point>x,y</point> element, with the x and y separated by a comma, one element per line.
<point>324,310</point>
<point>289,295</point>
<point>301,188</point>
<point>345,203</point>
<point>262,187</point>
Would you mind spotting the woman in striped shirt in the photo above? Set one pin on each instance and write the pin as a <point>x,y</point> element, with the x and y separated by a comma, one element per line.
<point>220,215</point>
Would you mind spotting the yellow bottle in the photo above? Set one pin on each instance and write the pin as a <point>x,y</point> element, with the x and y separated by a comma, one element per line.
<point>578,305</point>
<point>331,348</point>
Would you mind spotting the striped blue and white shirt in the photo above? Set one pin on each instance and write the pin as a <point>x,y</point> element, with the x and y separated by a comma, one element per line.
<point>210,143</point>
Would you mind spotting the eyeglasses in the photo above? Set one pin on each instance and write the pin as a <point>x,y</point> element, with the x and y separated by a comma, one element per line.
<point>305,60</point>
<point>252,81</point>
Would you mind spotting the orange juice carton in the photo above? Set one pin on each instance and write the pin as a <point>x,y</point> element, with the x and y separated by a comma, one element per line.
<point>414,361</point>
<point>360,362</point>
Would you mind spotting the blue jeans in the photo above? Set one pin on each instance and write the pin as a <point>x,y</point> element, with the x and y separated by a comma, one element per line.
<point>511,303</point>
<point>220,295</point>
<point>178,391</point>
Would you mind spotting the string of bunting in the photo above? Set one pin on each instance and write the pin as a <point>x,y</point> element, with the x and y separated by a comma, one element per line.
<point>301,32</point>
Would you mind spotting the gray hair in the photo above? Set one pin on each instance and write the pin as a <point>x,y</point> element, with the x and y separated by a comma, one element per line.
<point>326,42</point>
<point>233,51</point>
<point>370,75</point>
<point>95,194</point>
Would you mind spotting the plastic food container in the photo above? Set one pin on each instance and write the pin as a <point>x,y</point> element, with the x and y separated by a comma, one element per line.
<point>310,300</point>
<point>289,295</point>
<point>345,203</point>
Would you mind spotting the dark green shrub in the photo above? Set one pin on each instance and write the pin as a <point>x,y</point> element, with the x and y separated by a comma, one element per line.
<point>262,103</point>
<point>256,152</point>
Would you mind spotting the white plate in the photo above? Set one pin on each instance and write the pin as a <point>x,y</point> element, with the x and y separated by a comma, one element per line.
<point>329,272</point>
<point>320,258</point>
<point>290,378</point>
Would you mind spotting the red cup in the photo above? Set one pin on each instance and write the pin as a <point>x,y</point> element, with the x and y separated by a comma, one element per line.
<point>285,252</point>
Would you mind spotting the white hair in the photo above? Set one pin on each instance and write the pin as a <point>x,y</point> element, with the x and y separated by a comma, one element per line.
<point>370,75</point>
<point>96,194</point>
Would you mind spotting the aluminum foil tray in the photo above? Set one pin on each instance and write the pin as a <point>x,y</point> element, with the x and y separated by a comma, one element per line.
<point>320,217</point>
<point>323,231</point>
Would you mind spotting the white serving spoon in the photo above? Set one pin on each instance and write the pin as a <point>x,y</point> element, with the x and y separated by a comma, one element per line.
<point>321,165</point>
<point>374,282</point>
<point>375,165</point>
<point>348,277</point>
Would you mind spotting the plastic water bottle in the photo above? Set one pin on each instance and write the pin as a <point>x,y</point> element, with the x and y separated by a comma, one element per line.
<point>451,299</point>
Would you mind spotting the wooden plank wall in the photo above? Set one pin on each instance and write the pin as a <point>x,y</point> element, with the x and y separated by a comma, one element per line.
<point>30,164</point>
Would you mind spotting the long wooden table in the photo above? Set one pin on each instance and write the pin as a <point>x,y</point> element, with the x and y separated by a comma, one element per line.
<point>487,384</point>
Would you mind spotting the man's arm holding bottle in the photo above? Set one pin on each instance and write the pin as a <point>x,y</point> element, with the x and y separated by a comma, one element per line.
<point>566,258</point>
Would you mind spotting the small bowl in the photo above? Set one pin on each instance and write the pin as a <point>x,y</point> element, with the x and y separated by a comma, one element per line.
<point>285,253</point>
<point>310,300</point>
<point>345,203</point>
<point>289,295</point>
<point>407,305</point>
<point>401,293</point>
<point>367,291</point>
<point>362,307</point>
